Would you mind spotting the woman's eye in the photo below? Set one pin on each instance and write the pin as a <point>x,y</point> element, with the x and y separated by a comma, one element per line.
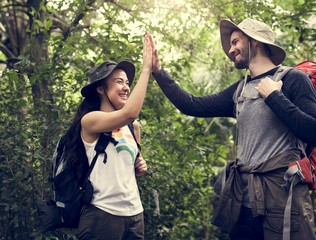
<point>121,81</point>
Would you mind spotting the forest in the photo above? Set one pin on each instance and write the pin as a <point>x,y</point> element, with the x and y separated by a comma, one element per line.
<point>48,46</point>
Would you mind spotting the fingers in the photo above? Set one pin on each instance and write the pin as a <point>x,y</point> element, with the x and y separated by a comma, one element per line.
<point>156,62</point>
<point>154,50</point>
<point>147,44</point>
<point>266,86</point>
<point>139,162</point>
<point>148,39</point>
<point>147,52</point>
<point>140,166</point>
<point>152,42</point>
<point>268,83</point>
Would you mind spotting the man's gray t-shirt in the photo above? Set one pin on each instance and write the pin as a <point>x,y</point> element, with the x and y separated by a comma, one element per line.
<point>260,133</point>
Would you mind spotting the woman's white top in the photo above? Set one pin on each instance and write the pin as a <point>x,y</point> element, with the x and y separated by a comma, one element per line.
<point>114,182</point>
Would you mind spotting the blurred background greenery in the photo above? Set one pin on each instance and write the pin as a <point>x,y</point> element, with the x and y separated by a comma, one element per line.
<point>46,48</point>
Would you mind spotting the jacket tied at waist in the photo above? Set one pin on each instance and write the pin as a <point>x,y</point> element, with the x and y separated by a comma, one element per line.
<point>231,191</point>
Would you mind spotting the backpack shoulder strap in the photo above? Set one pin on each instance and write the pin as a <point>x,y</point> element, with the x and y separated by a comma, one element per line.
<point>239,88</point>
<point>280,73</point>
<point>131,128</point>
<point>103,141</point>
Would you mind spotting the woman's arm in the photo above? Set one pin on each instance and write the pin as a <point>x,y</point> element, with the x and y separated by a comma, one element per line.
<point>98,121</point>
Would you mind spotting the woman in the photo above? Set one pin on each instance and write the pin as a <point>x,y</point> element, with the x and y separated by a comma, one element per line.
<point>115,211</point>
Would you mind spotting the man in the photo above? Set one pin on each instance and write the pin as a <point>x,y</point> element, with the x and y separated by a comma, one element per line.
<point>275,120</point>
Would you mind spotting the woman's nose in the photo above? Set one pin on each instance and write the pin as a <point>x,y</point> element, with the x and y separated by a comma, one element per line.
<point>126,86</point>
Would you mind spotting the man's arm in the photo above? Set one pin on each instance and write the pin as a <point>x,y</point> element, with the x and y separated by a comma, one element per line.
<point>214,105</point>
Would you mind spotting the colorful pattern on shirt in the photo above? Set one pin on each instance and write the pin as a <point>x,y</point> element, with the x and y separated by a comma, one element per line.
<point>126,142</point>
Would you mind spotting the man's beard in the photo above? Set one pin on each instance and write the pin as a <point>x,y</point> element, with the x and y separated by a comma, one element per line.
<point>243,62</point>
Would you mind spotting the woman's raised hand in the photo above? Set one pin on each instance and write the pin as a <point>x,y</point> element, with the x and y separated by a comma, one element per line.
<point>156,63</point>
<point>147,52</point>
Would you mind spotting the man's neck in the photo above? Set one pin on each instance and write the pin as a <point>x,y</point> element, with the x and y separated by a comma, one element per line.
<point>259,66</point>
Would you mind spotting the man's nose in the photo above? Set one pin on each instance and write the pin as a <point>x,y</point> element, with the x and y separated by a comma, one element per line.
<point>231,51</point>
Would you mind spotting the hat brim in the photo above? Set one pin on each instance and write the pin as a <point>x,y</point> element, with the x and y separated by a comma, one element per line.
<point>126,66</point>
<point>227,27</point>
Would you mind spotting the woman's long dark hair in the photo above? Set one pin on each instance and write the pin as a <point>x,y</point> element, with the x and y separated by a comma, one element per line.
<point>75,153</point>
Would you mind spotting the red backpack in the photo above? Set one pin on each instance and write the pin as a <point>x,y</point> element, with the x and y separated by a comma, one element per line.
<point>306,167</point>
<point>309,67</point>
<point>303,170</point>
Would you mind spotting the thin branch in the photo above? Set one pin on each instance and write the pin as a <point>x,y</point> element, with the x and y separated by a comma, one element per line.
<point>119,6</point>
<point>76,20</point>
<point>6,51</point>
<point>67,31</point>
<point>58,22</point>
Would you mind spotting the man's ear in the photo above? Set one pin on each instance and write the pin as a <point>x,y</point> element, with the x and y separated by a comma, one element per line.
<point>256,43</point>
<point>100,90</point>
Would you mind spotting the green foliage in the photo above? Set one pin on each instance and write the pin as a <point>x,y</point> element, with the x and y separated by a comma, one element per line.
<point>177,192</point>
<point>47,48</point>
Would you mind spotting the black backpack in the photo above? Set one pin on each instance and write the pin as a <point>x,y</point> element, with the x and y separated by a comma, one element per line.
<point>70,194</point>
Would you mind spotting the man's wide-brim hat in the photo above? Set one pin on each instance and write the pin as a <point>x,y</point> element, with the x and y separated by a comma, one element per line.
<point>256,30</point>
<point>102,71</point>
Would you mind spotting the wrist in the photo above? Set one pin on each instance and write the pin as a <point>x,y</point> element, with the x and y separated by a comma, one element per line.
<point>146,70</point>
<point>157,69</point>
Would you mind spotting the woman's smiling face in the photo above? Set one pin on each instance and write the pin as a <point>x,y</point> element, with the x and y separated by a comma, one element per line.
<point>118,88</point>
